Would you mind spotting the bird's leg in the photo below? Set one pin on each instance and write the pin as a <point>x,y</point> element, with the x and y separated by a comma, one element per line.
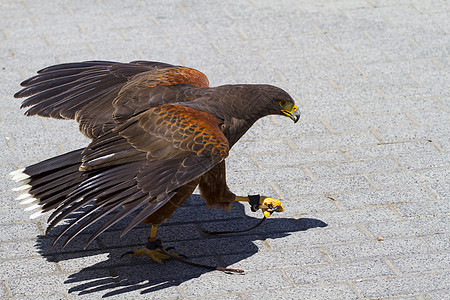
<point>157,253</point>
<point>153,248</point>
<point>266,204</point>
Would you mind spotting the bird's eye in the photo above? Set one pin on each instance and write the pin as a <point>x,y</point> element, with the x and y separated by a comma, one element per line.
<point>282,103</point>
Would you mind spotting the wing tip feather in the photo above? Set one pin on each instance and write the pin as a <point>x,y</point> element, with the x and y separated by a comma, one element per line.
<point>19,175</point>
<point>32,207</point>
<point>25,187</point>
<point>37,214</point>
<point>28,200</point>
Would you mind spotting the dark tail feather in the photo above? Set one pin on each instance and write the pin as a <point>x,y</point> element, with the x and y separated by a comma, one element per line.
<point>45,185</point>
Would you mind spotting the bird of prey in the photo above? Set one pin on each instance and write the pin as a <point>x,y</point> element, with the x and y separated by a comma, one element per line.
<point>157,132</point>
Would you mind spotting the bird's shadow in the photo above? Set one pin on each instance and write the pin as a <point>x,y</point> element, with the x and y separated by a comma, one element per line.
<point>100,270</point>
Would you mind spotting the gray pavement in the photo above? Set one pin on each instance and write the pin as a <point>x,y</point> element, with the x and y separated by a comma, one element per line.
<point>363,176</point>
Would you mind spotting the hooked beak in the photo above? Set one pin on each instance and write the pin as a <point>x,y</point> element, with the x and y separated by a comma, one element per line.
<point>293,113</point>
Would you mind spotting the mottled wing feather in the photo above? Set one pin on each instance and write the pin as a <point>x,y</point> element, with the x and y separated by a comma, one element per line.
<point>184,128</point>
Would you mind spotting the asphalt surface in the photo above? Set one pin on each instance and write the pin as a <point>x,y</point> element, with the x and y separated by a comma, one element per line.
<point>363,175</point>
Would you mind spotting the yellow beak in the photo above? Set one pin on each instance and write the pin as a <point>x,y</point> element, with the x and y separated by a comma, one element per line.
<point>293,113</point>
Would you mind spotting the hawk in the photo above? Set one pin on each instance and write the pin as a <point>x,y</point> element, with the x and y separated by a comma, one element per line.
<point>157,132</point>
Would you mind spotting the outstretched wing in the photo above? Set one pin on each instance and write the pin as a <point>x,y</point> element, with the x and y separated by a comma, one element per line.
<point>141,164</point>
<point>86,91</point>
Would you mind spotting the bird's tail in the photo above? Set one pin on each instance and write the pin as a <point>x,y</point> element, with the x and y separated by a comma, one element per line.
<point>45,185</point>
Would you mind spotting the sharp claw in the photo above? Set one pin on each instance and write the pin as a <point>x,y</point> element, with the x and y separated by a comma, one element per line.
<point>172,248</point>
<point>128,252</point>
<point>158,260</point>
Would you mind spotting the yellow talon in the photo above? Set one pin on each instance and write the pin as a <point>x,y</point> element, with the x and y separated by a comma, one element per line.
<point>153,248</point>
<point>156,255</point>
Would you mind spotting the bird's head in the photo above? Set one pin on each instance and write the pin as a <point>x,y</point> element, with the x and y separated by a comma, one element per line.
<point>248,102</point>
<point>279,102</point>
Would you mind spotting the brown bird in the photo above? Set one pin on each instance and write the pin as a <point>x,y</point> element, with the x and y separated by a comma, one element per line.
<point>158,131</point>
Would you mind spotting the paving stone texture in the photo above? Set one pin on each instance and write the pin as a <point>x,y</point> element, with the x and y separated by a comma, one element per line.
<point>364,175</point>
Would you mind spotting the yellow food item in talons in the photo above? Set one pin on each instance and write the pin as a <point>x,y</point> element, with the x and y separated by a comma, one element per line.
<point>268,202</point>
<point>271,202</point>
